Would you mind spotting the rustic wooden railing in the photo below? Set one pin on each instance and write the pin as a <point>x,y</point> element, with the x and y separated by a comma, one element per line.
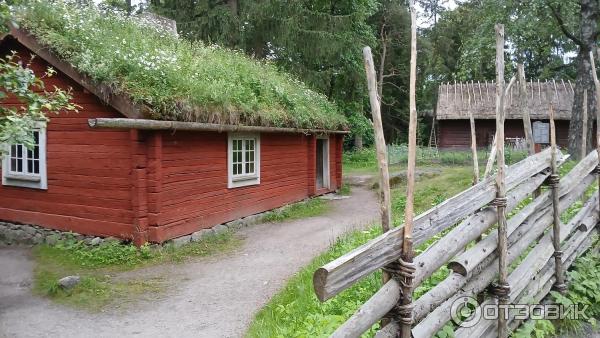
<point>465,217</point>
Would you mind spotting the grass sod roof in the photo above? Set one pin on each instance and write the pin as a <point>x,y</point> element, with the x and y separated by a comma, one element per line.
<point>177,79</point>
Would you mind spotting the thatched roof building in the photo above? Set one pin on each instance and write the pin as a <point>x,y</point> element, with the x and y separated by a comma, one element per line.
<point>455,100</point>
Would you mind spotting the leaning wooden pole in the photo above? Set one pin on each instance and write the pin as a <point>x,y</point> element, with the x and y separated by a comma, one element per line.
<point>473,143</point>
<point>502,288</point>
<point>384,175</point>
<point>585,126</point>
<point>407,268</point>
<point>597,85</point>
<point>553,182</point>
<point>525,109</point>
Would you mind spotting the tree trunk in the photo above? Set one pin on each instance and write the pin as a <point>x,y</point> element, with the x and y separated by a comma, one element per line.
<point>358,142</point>
<point>588,15</point>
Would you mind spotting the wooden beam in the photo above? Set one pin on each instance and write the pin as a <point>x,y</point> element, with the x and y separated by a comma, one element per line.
<point>370,312</point>
<point>144,124</point>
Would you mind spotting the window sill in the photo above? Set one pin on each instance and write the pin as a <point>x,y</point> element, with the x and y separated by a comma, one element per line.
<point>244,178</point>
<point>238,182</point>
<point>28,178</point>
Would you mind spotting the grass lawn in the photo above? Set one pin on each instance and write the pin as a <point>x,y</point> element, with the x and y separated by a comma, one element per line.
<point>296,312</point>
<point>98,267</point>
<point>309,208</point>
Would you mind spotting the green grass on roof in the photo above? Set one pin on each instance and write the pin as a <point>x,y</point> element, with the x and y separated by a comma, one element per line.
<point>178,79</point>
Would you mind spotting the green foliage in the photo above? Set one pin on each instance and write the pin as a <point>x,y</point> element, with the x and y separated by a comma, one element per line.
<point>345,190</point>
<point>175,78</point>
<point>535,329</point>
<point>97,265</point>
<point>296,311</point>
<point>18,80</point>
<point>310,208</point>
<point>318,41</point>
<point>362,158</point>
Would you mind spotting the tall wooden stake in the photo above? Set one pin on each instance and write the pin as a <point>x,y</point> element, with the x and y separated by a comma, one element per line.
<point>407,245</point>
<point>384,175</point>
<point>525,109</point>
<point>597,85</point>
<point>473,144</point>
<point>500,201</point>
<point>553,180</point>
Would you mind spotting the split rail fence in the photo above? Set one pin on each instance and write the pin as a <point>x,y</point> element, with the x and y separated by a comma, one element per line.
<point>516,262</point>
<point>462,219</point>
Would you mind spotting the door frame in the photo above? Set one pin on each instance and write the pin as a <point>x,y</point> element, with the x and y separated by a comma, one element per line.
<point>326,172</point>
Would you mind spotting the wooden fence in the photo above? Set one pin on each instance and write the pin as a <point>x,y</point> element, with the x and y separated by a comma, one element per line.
<point>459,221</point>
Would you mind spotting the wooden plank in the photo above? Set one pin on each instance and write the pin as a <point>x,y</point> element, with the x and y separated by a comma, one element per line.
<point>456,286</point>
<point>466,262</point>
<point>341,273</point>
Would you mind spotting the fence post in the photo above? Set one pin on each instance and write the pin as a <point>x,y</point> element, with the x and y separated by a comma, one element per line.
<point>553,181</point>
<point>502,289</point>
<point>597,85</point>
<point>406,265</point>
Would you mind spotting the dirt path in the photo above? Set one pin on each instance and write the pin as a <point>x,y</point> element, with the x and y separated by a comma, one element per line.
<point>215,297</point>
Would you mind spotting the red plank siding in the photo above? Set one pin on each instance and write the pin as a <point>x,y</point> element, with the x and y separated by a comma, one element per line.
<point>89,186</point>
<point>145,185</point>
<point>457,133</point>
<point>194,192</point>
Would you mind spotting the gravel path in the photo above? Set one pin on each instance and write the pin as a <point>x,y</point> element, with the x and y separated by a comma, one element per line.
<point>212,297</point>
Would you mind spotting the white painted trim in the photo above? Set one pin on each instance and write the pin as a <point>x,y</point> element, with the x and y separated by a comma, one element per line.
<point>242,180</point>
<point>26,180</point>
<point>326,173</point>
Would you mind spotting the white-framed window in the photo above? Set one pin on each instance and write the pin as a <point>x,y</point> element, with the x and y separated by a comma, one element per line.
<point>243,153</point>
<point>23,167</point>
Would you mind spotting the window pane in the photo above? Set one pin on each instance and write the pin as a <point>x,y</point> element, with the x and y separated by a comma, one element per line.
<point>251,168</point>
<point>36,167</point>
<point>235,171</point>
<point>19,150</point>
<point>239,168</point>
<point>248,168</point>
<point>13,164</point>
<point>30,166</point>
<point>36,152</point>
<point>13,150</point>
<point>20,166</point>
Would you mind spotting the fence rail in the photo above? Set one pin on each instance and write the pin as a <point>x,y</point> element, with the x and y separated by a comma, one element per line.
<point>462,219</point>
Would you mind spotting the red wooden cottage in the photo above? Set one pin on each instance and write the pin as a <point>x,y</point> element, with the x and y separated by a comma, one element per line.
<point>456,101</point>
<point>114,170</point>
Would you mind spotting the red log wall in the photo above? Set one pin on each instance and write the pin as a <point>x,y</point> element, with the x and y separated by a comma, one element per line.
<point>457,133</point>
<point>88,170</point>
<point>152,185</point>
<point>194,191</point>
